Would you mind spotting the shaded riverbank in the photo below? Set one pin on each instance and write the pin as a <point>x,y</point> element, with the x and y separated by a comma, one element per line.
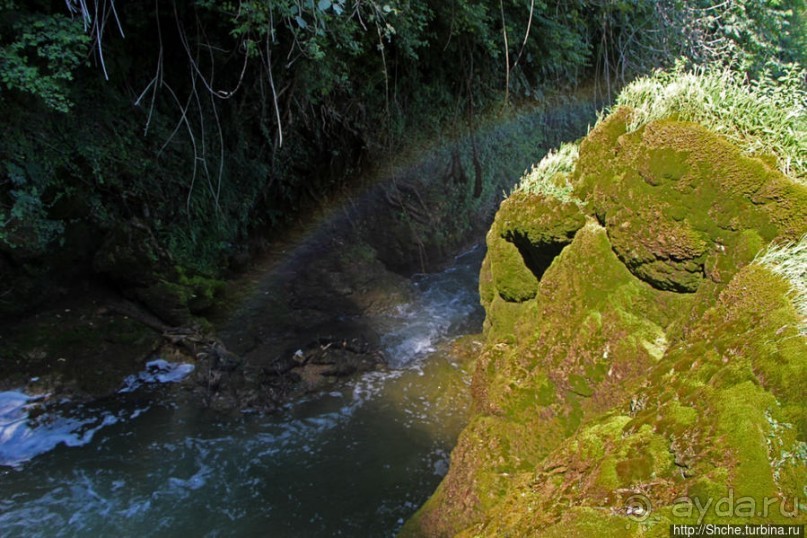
<point>354,460</point>
<point>311,290</point>
<point>343,335</point>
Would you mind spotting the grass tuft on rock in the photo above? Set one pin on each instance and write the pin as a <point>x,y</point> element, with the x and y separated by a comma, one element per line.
<point>550,177</point>
<point>764,116</point>
<point>789,260</point>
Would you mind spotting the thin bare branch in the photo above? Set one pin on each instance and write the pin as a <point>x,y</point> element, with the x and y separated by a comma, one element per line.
<point>506,55</point>
<point>526,34</point>
<point>274,92</point>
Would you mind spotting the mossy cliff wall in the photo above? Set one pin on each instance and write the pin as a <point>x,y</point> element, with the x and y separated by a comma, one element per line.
<point>639,369</point>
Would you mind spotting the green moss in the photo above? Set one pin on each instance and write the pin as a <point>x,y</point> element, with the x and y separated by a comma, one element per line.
<point>636,468</point>
<point>546,393</point>
<point>591,442</point>
<point>607,477</point>
<point>540,220</point>
<point>676,198</point>
<point>606,379</point>
<point>503,317</point>
<point>513,281</point>
<point>487,290</point>
<point>585,522</point>
<point>664,164</point>
<point>579,385</point>
<point>677,419</point>
<point>742,419</point>
<point>201,293</point>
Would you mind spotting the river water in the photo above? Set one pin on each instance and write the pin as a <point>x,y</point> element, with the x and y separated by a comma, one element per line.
<point>355,461</point>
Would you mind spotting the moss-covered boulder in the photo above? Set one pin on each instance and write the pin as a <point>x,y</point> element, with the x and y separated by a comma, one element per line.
<point>644,367</point>
<point>513,280</point>
<point>538,220</point>
<point>529,232</point>
<point>676,198</point>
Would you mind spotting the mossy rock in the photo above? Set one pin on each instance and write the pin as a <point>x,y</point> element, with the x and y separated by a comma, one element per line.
<point>540,220</point>
<point>167,300</point>
<point>558,360</point>
<point>528,234</point>
<point>539,226</point>
<point>650,359</point>
<point>134,260</point>
<point>202,293</point>
<point>676,198</point>
<point>512,279</point>
<point>177,303</point>
<point>487,290</point>
<point>696,431</point>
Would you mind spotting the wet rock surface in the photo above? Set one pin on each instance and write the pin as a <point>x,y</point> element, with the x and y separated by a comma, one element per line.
<point>81,348</point>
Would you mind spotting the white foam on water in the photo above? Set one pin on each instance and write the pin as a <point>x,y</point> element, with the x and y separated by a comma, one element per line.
<point>192,483</point>
<point>440,462</point>
<point>23,437</point>
<point>445,304</point>
<point>157,371</point>
<point>32,425</point>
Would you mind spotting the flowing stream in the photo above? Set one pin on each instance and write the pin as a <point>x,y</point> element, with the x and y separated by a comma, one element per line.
<point>355,461</point>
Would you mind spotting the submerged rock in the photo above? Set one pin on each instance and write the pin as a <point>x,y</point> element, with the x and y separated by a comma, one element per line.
<point>637,362</point>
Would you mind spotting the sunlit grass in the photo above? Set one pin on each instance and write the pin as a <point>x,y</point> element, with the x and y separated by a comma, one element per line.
<point>761,116</point>
<point>789,260</point>
<point>765,116</point>
<point>550,176</point>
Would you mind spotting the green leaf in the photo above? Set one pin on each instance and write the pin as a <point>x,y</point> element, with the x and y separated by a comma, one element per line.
<point>324,4</point>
